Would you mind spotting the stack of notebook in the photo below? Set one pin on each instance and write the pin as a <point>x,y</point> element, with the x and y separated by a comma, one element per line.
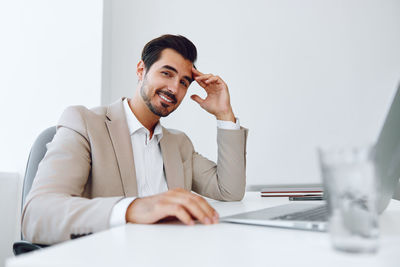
<point>292,191</point>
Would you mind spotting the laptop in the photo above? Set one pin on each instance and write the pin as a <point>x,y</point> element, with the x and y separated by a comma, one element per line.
<point>314,216</point>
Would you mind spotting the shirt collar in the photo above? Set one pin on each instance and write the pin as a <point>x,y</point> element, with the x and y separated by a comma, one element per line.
<point>135,126</point>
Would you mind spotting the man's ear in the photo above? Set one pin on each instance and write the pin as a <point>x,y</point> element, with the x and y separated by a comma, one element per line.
<point>140,69</point>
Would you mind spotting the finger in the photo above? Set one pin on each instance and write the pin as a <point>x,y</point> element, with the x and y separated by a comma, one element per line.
<point>202,84</point>
<point>192,205</point>
<point>204,205</point>
<point>196,72</point>
<point>200,79</point>
<point>211,80</point>
<point>179,212</point>
<point>204,77</point>
<point>210,211</point>
<point>197,99</point>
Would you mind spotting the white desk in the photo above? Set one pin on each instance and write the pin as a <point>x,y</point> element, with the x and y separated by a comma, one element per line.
<point>223,244</point>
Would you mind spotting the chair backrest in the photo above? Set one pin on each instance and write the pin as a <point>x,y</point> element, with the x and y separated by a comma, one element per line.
<point>36,155</point>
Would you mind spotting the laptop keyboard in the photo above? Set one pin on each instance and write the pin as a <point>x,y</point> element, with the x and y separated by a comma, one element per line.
<point>319,214</point>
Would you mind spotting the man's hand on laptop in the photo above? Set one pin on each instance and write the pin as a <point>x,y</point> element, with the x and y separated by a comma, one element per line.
<point>178,203</point>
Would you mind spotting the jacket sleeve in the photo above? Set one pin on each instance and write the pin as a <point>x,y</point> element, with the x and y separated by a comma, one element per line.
<point>55,209</point>
<point>225,180</point>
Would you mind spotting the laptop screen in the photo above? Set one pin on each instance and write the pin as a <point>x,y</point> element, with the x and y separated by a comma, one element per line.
<point>388,154</point>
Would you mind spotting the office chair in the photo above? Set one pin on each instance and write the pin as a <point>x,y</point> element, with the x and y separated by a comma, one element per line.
<point>36,155</point>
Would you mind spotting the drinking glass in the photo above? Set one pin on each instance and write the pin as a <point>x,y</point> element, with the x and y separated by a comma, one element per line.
<point>350,185</point>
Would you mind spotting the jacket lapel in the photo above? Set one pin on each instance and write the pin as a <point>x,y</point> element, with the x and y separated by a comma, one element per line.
<point>121,140</point>
<point>172,161</point>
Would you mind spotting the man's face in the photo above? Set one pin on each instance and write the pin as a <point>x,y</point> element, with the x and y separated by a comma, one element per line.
<point>165,84</point>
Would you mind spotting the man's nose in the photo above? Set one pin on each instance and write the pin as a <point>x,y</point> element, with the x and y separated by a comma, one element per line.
<point>174,86</point>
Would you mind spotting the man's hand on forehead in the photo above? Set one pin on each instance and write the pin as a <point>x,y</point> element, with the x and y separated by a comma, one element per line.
<point>217,101</point>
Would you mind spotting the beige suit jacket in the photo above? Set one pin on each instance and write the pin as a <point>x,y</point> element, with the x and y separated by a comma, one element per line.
<point>89,167</point>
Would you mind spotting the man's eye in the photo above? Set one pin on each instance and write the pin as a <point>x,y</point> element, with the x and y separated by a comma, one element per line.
<point>165,73</point>
<point>184,83</point>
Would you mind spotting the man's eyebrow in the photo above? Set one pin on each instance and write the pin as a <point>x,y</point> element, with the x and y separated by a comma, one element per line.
<point>190,80</point>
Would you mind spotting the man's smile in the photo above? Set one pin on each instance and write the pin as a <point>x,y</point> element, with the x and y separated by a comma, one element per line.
<point>167,97</point>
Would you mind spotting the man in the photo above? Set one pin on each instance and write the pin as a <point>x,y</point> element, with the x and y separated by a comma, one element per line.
<point>112,165</point>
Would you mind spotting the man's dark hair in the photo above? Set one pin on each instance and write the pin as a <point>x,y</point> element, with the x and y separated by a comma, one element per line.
<point>152,50</point>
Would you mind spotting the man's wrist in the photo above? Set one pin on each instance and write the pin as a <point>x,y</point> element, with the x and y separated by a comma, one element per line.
<point>128,213</point>
<point>226,116</point>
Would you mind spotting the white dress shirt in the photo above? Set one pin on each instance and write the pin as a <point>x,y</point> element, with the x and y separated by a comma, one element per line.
<point>148,161</point>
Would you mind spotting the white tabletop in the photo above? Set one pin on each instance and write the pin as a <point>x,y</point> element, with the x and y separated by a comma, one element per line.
<point>223,244</point>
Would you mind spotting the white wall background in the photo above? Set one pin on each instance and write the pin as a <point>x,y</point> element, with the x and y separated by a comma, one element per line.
<point>301,73</point>
<point>50,58</point>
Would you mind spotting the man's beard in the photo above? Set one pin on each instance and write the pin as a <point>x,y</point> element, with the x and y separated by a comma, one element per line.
<point>159,111</point>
